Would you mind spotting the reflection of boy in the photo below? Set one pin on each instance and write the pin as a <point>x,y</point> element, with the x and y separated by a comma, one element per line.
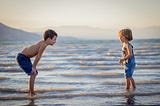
<point>23,58</point>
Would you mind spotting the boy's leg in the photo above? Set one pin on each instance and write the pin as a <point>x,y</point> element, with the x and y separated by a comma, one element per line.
<point>132,83</point>
<point>127,83</point>
<point>31,84</point>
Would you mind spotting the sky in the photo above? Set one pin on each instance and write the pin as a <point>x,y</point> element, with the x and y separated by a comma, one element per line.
<point>36,15</point>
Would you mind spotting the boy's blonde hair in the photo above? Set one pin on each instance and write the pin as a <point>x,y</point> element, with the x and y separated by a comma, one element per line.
<point>127,33</point>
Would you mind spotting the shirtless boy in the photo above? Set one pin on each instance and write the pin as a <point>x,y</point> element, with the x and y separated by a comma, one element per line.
<point>36,50</point>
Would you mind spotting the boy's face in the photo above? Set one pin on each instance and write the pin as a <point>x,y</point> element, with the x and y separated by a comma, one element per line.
<point>122,39</point>
<point>53,40</point>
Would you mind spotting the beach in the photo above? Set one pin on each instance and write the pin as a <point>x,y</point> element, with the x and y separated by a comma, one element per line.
<point>81,72</point>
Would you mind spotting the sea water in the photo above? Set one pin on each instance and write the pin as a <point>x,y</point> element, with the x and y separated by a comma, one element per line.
<point>81,72</point>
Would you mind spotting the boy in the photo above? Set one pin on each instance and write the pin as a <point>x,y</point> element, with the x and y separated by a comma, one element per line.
<point>128,60</point>
<point>23,58</point>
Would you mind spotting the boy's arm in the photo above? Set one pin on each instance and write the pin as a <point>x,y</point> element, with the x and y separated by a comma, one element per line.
<point>38,56</point>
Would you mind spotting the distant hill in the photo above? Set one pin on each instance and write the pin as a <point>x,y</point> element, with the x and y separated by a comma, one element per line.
<point>12,34</point>
<point>76,32</point>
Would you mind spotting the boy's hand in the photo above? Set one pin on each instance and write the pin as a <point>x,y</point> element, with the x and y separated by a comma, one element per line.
<point>121,61</point>
<point>34,70</point>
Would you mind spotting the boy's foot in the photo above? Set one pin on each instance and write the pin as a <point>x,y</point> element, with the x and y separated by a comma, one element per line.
<point>127,89</point>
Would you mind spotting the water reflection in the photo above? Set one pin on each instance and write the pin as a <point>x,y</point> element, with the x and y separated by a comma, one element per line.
<point>31,103</point>
<point>130,99</point>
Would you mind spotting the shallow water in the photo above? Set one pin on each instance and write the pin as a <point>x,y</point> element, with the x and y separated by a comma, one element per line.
<point>81,72</point>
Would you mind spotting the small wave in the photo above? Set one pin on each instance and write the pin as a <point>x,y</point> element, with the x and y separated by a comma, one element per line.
<point>59,55</point>
<point>3,78</point>
<point>149,63</point>
<point>101,63</point>
<point>102,67</point>
<point>137,83</point>
<point>79,95</point>
<point>156,46</point>
<point>18,69</point>
<point>65,83</point>
<point>46,68</point>
<point>10,69</point>
<point>148,54</point>
<point>93,75</point>
<point>104,58</point>
<point>11,56</point>
<point>10,90</point>
<point>54,90</point>
<point>151,50</point>
<point>6,64</point>
<point>148,67</point>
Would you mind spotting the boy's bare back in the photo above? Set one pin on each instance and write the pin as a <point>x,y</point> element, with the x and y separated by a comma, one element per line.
<point>32,50</point>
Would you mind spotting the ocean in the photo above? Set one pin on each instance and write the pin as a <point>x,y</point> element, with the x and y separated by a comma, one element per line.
<point>81,73</point>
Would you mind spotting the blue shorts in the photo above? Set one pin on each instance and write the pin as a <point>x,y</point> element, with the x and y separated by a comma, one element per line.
<point>129,69</point>
<point>25,63</point>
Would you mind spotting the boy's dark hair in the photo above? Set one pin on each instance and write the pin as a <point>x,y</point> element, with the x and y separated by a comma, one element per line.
<point>49,34</point>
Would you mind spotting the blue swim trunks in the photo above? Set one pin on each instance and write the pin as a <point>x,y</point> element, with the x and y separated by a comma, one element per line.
<point>25,63</point>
